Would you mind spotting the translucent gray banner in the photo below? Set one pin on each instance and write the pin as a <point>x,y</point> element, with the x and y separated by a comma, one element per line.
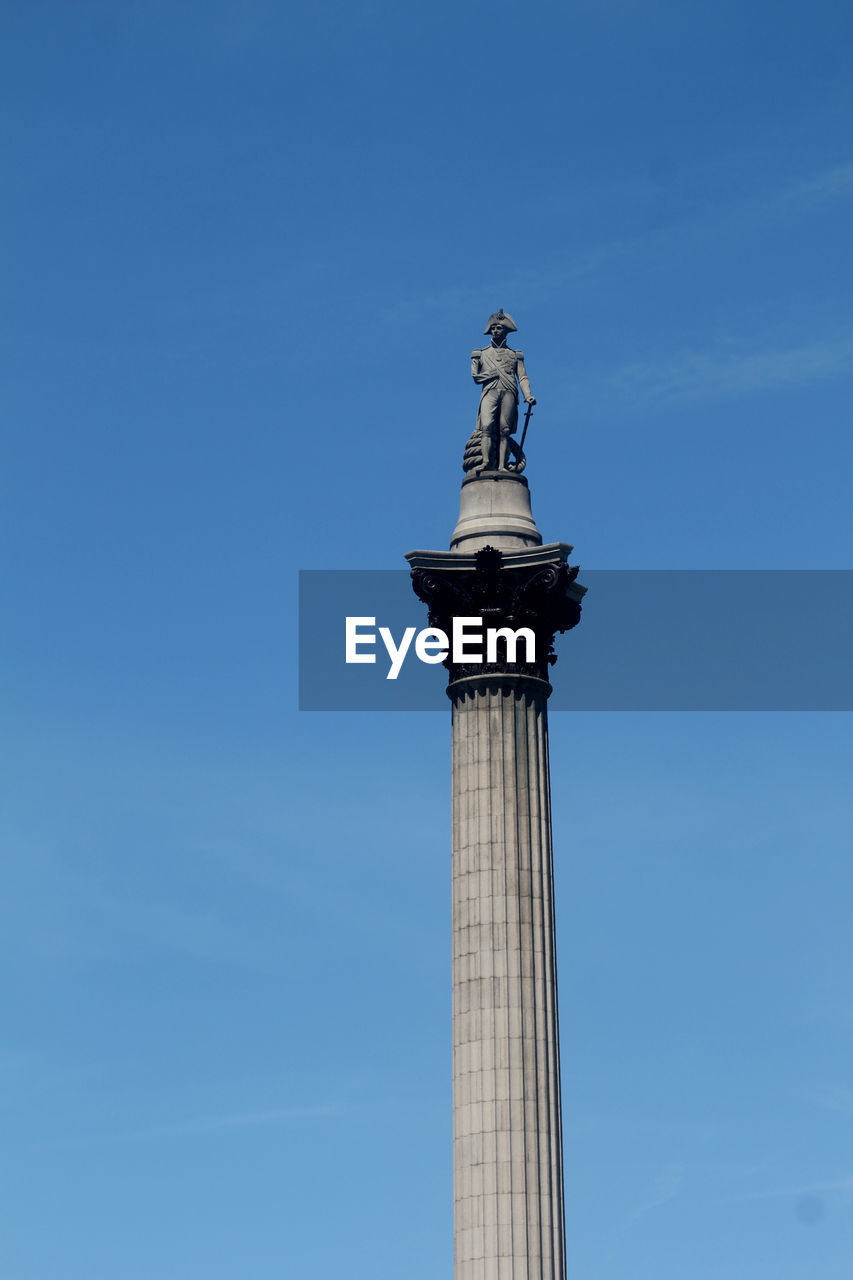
<point>648,640</point>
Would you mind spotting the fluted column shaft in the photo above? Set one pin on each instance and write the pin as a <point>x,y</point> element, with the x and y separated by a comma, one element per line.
<point>507,1134</point>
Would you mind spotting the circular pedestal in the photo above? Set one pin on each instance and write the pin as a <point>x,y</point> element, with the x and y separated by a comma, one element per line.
<point>494,510</point>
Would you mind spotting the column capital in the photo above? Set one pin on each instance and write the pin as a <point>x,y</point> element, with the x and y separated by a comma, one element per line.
<point>533,588</point>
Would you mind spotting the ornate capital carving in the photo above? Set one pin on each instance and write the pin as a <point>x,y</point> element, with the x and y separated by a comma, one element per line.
<point>505,590</point>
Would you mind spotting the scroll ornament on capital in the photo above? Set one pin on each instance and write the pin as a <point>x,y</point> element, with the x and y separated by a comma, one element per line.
<point>512,596</point>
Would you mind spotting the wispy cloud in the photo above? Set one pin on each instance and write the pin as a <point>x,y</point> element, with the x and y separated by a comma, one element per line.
<point>832,183</point>
<point>202,935</point>
<point>230,1123</point>
<point>407,312</point>
<point>665,1186</point>
<point>702,375</point>
<point>210,1126</point>
<point>838,1100</point>
<point>793,1191</point>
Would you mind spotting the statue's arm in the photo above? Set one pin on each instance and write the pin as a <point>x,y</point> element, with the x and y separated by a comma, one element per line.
<point>523,380</point>
<point>476,373</point>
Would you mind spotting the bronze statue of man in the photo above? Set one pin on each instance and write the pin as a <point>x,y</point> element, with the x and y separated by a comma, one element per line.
<point>499,371</point>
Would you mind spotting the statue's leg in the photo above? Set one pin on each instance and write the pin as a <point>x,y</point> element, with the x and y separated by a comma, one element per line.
<point>508,423</point>
<point>486,446</point>
<point>514,451</point>
<point>489,416</point>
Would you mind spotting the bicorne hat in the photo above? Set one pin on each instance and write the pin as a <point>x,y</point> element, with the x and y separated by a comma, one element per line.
<point>501,317</point>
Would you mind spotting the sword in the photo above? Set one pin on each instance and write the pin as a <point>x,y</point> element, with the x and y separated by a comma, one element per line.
<point>526,421</point>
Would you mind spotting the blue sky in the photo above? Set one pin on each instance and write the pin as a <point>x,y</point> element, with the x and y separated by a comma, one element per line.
<point>248,248</point>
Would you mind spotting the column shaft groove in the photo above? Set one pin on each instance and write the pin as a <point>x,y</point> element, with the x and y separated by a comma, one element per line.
<point>508,1179</point>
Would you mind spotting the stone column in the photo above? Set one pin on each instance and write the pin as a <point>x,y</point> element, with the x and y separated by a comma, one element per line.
<point>507,1138</point>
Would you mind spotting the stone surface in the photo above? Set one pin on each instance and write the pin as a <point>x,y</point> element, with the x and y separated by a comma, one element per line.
<point>494,509</point>
<point>535,589</point>
<point>507,1126</point>
<point>507,1138</point>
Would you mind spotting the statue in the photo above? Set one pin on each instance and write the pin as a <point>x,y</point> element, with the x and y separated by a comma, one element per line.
<point>499,371</point>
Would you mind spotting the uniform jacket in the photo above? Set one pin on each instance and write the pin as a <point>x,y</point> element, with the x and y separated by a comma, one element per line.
<point>502,365</point>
